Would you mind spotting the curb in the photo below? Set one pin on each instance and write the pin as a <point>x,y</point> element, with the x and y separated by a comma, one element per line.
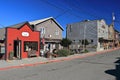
<point>59,60</point>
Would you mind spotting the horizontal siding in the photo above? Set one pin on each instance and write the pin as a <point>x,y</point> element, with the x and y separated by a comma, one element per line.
<point>50,29</point>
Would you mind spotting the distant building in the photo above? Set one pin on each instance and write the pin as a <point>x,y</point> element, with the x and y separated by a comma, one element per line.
<point>111,32</point>
<point>51,33</point>
<point>94,31</point>
<point>117,38</point>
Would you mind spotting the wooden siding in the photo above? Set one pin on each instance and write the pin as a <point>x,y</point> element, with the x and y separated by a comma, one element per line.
<point>50,29</point>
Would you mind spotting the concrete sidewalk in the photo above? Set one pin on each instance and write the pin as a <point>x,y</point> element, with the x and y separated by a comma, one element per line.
<point>4,65</point>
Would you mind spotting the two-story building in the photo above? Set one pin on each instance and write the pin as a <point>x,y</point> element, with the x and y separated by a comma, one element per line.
<point>96,32</point>
<point>51,33</point>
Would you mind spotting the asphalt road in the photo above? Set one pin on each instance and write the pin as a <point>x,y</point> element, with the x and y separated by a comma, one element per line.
<point>98,67</point>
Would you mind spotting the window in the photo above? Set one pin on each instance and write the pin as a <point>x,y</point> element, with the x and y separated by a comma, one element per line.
<point>91,40</point>
<point>56,32</point>
<point>2,49</point>
<point>79,41</point>
<point>30,45</point>
<point>42,30</point>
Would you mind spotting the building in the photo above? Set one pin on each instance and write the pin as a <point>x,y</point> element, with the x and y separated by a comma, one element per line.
<point>51,33</point>
<point>111,35</point>
<point>111,32</point>
<point>18,40</point>
<point>117,40</point>
<point>95,32</point>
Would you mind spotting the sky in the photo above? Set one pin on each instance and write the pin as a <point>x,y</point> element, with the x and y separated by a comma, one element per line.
<point>64,11</point>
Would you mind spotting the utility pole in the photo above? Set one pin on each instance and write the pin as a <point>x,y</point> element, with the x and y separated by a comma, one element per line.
<point>84,36</point>
<point>113,19</point>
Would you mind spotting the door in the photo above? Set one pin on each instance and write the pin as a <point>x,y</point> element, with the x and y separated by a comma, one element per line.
<point>17,49</point>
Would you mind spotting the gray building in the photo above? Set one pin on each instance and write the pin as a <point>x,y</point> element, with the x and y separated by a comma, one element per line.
<point>90,30</point>
<point>51,33</point>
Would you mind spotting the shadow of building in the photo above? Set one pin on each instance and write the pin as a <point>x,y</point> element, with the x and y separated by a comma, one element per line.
<point>115,72</point>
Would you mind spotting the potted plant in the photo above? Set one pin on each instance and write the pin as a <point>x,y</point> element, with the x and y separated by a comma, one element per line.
<point>11,54</point>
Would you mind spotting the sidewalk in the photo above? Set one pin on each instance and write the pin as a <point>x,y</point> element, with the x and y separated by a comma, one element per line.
<point>40,60</point>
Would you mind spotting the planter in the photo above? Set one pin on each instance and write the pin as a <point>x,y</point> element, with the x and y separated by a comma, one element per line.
<point>11,54</point>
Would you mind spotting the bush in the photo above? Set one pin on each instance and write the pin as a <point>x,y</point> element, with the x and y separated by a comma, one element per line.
<point>63,52</point>
<point>85,51</point>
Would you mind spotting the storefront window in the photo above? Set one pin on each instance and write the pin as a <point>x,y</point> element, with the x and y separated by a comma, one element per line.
<point>30,45</point>
<point>2,49</point>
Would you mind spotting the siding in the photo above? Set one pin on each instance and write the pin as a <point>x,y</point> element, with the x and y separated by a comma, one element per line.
<point>76,31</point>
<point>2,33</point>
<point>102,29</point>
<point>50,29</point>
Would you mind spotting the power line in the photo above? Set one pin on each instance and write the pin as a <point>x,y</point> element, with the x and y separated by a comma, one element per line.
<point>80,9</point>
<point>61,14</point>
<point>64,11</point>
<point>2,25</point>
<point>68,10</point>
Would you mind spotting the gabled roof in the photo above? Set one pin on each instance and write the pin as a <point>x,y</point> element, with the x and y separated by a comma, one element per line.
<point>18,26</point>
<point>45,19</point>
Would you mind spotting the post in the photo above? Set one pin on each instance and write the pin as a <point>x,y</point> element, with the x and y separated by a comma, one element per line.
<point>84,36</point>
<point>113,18</point>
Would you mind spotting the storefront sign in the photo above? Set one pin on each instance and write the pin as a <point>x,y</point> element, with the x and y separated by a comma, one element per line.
<point>25,34</point>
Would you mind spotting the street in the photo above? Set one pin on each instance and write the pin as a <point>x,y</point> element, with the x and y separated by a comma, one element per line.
<point>98,67</point>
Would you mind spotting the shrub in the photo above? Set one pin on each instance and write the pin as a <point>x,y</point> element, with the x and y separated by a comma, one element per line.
<point>64,52</point>
<point>11,54</point>
<point>85,51</point>
<point>65,42</point>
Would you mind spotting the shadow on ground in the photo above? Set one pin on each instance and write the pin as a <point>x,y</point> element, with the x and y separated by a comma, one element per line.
<point>115,72</point>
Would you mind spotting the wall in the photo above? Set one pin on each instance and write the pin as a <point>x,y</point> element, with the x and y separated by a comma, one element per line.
<point>102,29</point>
<point>50,29</point>
<point>13,34</point>
<point>76,31</point>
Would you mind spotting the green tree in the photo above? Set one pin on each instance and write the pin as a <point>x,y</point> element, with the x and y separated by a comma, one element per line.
<point>85,42</point>
<point>65,42</point>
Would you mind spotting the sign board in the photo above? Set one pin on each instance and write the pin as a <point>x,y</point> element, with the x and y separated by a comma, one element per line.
<point>25,34</point>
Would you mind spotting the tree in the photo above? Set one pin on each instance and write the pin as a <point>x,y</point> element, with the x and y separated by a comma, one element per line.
<point>65,42</point>
<point>85,42</point>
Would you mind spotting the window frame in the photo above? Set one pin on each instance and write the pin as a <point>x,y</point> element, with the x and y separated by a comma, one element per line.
<point>32,46</point>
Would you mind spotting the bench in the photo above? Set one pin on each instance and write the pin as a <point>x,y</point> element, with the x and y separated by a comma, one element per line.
<point>32,53</point>
<point>54,55</point>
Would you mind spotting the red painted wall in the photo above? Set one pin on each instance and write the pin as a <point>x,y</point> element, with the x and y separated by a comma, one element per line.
<point>14,33</point>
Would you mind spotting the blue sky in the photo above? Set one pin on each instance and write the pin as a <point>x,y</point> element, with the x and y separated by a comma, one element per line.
<point>64,11</point>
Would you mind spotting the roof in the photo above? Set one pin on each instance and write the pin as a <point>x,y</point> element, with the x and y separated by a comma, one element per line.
<point>45,19</point>
<point>17,25</point>
<point>2,30</point>
<point>83,21</point>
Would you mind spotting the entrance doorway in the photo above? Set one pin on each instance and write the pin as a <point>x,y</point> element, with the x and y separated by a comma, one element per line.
<point>17,49</point>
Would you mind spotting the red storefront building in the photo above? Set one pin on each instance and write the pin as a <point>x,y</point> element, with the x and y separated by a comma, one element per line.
<point>19,40</point>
